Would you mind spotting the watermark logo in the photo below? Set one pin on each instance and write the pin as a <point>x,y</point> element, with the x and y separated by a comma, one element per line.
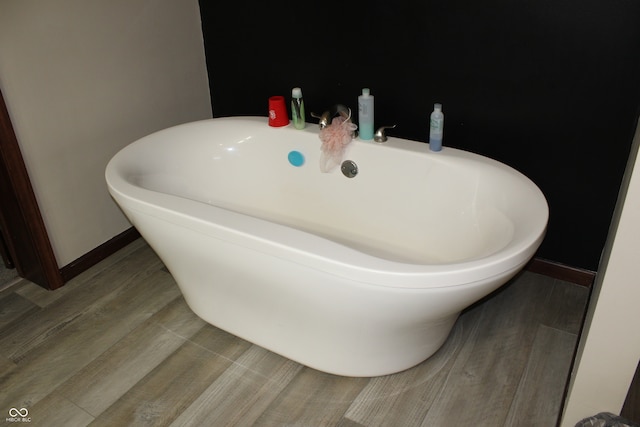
<point>18,415</point>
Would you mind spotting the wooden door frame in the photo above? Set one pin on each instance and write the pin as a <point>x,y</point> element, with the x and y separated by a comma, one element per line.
<point>20,220</point>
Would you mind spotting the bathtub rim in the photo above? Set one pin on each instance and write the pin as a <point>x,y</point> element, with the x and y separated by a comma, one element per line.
<point>323,254</point>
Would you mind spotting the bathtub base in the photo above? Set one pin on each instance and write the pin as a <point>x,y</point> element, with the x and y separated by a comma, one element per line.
<point>320,320</point>
<point>347,356</point>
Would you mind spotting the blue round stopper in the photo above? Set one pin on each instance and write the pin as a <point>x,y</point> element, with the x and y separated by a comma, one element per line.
<point>296,158</point>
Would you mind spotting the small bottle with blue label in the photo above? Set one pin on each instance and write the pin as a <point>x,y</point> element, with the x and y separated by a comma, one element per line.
<point>436,128</point>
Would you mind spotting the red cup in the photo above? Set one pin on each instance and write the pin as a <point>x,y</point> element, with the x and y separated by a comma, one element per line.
<point>278,111</point>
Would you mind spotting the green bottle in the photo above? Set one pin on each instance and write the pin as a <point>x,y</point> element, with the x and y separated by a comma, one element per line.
<point>297,108</point>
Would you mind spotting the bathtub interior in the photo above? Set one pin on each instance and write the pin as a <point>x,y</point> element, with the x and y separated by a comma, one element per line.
<point>405,204</point>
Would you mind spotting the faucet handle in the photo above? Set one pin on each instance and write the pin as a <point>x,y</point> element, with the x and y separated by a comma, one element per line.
<point>380,135</point>
<point>326,117</point>
<point>323,119</point>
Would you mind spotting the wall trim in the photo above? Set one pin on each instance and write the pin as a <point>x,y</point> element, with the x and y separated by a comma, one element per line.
<point>96,255</point>
<point>21,221</point>
<point>564,272</point>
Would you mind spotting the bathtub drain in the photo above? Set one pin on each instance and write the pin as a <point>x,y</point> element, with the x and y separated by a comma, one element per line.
<point>349,168</point>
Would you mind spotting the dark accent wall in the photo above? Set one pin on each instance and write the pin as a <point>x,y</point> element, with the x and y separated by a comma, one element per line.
<point>551,88</point>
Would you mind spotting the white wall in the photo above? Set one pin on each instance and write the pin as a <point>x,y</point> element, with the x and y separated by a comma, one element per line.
<point>610,344</point>
<point>81,80</point>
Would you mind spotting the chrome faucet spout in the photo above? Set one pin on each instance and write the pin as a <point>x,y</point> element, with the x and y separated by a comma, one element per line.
<point>336,110</point>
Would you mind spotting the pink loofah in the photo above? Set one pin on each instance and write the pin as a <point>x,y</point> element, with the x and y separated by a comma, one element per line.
<point>335,138</point>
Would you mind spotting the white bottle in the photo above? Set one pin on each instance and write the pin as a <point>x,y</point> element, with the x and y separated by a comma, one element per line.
<point>365,114</point>
<point>436,128</point>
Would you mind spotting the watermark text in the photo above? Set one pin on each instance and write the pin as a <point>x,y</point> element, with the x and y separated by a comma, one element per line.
<point>18,416</point>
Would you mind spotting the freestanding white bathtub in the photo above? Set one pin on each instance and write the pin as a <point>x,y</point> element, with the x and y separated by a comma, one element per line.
<point>359,276</point>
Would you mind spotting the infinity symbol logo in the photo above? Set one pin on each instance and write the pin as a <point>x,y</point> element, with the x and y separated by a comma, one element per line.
<point>22,412</point>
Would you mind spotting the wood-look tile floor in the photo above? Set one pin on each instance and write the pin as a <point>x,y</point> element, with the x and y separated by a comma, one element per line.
<point>118,346</point>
